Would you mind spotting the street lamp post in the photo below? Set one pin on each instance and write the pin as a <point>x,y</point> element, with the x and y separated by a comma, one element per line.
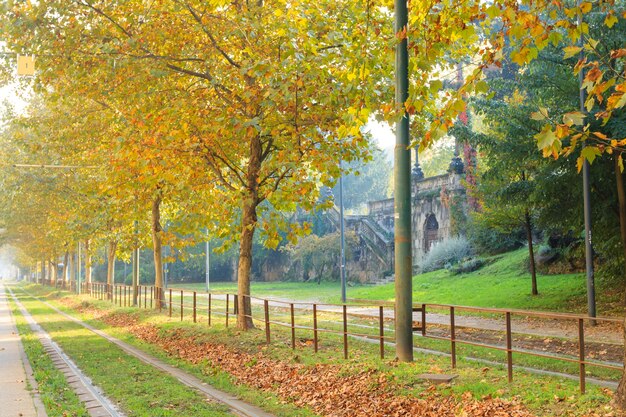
<point>78,279</point>
<point>135,273</point>
<point>342,265</point>
<point>165,267</point>
<point>207,258</point>
<point>402,196</point>
<point>591,291</point>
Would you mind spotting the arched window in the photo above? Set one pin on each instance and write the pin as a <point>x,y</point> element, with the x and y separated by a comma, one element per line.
<point>431,231</point>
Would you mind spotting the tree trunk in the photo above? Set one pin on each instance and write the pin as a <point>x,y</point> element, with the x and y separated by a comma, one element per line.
<point>248,227</point>
<point>159,293</point>
<point>244,320</point>
<point>111,268</point>
<point>43,271</point>
<point>53,271</point>
<point>72,266</point>
<point>531,253</point>
<point>620,394</point>
<point>64,272</point>
<point>87,265</point>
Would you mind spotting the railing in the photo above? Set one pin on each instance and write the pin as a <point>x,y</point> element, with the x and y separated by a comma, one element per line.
<point>506,315</point>
<point>365,322</point>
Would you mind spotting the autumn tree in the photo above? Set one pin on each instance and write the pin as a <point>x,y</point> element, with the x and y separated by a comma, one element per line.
<point>271,96</point>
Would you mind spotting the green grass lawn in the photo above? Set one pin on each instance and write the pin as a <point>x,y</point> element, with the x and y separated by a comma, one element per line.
<point>305,291</point>
<point>504,283</point>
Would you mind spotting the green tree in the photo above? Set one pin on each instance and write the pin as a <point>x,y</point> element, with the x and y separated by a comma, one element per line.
<point>365,181</point>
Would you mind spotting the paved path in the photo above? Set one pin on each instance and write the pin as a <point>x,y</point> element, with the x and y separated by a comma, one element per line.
<point>15,398</point>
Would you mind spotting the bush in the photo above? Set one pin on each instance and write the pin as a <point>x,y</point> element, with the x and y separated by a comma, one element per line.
<point>467,266</point>
<point>487,240</point>
<point>448,252</point>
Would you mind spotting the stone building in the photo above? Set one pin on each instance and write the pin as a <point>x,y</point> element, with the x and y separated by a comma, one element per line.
<point>434,200</point>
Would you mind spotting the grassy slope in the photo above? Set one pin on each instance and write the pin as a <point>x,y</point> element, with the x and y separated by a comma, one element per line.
<point>503,283</point>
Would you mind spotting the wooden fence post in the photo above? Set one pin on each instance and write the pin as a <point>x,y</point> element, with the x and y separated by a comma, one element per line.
<point>381,331</point>
<point>345,332</point>
<point>581,354</point>
<point>509,347</point>
<point>452,338</point>
<point>209,309</point>
<point>315,341</point>
<point>266,309</point>
<point>194,307</point>
<point>293,327</point>
<point>226,310</point>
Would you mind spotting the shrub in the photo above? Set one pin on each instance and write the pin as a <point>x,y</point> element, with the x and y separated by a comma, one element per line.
<point>467,266</point>
<point>448,252</point>
<point>488,240</point>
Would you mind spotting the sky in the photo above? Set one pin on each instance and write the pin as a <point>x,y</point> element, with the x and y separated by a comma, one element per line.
<point>383,135</point>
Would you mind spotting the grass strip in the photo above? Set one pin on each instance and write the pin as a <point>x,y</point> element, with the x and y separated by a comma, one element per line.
<point>139,389</point>
<point>58,398</point>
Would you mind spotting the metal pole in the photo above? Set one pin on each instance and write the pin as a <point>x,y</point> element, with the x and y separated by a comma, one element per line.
<point>135,266</point>
<point>136,288</point>
<point>165,268</point>
<point>207,264</point>
<point>402,196</point>
<point>342,266</point>
<point>78,279</point>
<point>509,347</point>
<point>591,290</point>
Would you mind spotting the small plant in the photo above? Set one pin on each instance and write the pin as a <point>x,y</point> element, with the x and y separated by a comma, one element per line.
<point>448,252</point>
<point>468,265</point>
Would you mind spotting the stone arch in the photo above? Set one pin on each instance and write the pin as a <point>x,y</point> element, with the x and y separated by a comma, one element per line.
<point>431,231</point>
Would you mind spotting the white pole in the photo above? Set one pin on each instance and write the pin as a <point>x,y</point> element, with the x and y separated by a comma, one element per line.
<point>78,268</point>
<point>208,265</point>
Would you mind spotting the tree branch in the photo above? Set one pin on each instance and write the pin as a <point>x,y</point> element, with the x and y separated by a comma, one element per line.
<point>198,19</point>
